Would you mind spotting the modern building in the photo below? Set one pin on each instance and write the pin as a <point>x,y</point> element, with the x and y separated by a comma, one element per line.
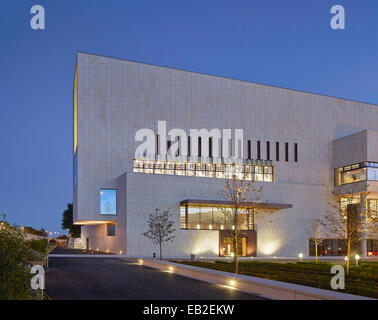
<point>136,148</point>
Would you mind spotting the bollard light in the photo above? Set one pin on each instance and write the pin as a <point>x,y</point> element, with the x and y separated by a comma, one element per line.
<point>232,283</point>
<point>357,257</point>
<point>300,256</point>
<point>346,259</point>
<point>170,269</point>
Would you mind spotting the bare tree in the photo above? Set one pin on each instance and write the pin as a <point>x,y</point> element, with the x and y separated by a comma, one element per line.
<point>160,228</point>
<point>345,223</point>
<point>244,198</point>
<point>318,235</point>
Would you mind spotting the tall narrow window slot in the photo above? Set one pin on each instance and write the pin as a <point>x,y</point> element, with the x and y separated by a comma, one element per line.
<point>277,151</point>
<point>189,146</point>
<point>210,147</point>
<point>295,152</point>
<point>199,147</point>
<point>157,143</point>
<point>268,150</point>
<point>249,149</point>
<point>258,150</point>
<point>286,151</point>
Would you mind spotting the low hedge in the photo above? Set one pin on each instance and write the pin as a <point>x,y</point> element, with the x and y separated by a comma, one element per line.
<point>362,280</point>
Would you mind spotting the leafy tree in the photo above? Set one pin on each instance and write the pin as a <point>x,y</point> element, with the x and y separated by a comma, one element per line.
<point>160,228</point>
<point>14,271</point>
<point>67,222</point>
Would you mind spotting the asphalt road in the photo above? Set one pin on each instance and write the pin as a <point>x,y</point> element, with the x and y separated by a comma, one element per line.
<point>115,278</point>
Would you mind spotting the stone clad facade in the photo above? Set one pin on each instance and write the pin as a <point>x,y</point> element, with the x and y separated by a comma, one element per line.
<point>115,98</point>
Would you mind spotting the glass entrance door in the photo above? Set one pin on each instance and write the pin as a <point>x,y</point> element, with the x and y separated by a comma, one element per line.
<point>228,246</point>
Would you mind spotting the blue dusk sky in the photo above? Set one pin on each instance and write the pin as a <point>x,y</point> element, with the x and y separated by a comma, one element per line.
<point>282,43</point>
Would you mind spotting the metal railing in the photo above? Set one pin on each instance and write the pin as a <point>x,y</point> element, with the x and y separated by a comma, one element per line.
<point>44,257</point>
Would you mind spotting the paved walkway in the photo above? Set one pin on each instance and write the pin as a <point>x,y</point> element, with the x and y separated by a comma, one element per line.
<point>107,278</point>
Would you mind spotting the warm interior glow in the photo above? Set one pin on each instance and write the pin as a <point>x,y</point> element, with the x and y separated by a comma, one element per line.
<point>92,222</point>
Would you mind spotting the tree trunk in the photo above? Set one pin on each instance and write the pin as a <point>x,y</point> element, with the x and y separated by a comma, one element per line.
<point>316,253</point>
<point>348,257</point>
<point>236,253</point>
<point>161,256</point>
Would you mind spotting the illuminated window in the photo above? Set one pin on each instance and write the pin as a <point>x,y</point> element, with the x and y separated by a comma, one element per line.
<point>220,171</point>
<point>213,217</point>
<point>108,201</point>
<point>259,173</point>
<point>148,166</point>
<point>169,167</point>
<point>183,217</point>
<point>229,171</point>
<point>180,169</point>
<point>191,169</point>
<point>159,167</point>
<point>239,171</point>
<point>268,174</point>
<point>248,172</point>
<point>201,170</point>
<point>356,172</point>
<point>210,170</point>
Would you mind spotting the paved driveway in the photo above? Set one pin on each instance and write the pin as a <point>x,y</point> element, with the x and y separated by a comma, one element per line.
<point>116,278</point>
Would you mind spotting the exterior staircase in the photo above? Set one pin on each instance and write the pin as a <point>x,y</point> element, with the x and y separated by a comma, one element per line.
<point>76,243</point>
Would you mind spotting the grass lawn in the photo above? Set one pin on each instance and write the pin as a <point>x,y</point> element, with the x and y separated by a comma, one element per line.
<point>362,279</point>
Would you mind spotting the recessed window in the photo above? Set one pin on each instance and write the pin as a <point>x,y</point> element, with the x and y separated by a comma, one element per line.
<point>249,150</point>
<point>108,201</point>
<point>267,150</point>
<point>277,151</point>
<point>286,151</point>
<point>258,150</point>
<point>295,152</point>
<point>210,147</point>
<point>111,229</point>
<point>157,144</point>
